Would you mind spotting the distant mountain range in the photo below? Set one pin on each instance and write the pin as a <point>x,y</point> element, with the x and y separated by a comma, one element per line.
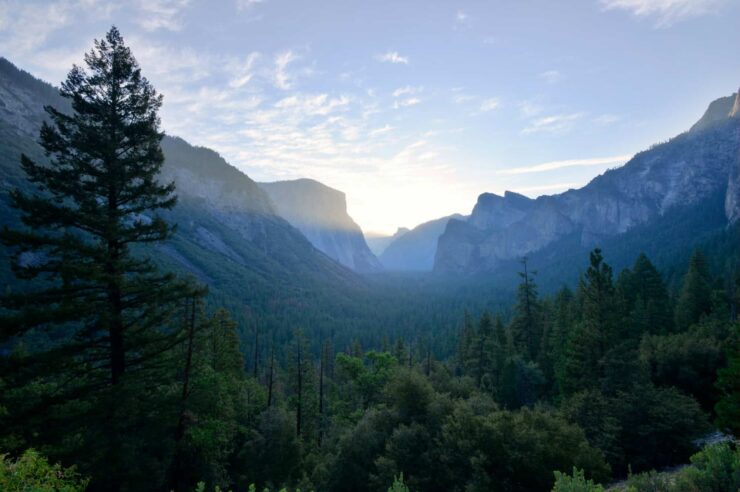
<point>288,249</point>
<point>690,172</point>
<point>378,242</point>
<point>415,249</point>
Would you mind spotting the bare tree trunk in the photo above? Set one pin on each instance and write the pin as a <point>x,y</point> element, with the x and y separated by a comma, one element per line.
<point>176,468</point>
<point>321,394</point>
<point>270,378</point>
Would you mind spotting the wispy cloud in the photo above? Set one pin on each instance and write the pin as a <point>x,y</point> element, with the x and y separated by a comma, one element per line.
<point>489,105</point>
<point>528,109</point>
<point>665,12</point>
<point>162,14</point>
<point>554,165</point>
<point>551,76</point>
<point>410,101</point>
<point>392,57</point>
<point>407,90</point>
<point>462,19</point>
<point>282,78</point>
<point>556,123</point>
<point>247,4</point>
<point>244,72</point>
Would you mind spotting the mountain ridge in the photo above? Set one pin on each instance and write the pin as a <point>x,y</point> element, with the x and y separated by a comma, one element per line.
<point>687,170</point>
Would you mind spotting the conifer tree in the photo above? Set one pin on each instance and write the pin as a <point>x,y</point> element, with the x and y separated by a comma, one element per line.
<point>596,332</point>
<point>526,326</point>
<point>91,204</point>
<point>695,299</point>
<point>646,298</point>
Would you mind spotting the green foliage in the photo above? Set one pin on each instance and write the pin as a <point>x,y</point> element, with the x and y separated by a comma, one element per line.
<point>576,482</point>
<point>728,384</point>
<point>398,485</point>
<point>715,468</point>
<point>33,472</point>
<point>518,451</point>
<point>688,360</point>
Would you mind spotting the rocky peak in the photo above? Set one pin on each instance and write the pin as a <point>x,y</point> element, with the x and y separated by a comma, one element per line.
<point>735,111</point>
<point>718,110</point>
<point>494,212</point>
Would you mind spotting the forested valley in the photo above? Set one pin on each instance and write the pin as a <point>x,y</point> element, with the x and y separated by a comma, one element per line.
<point>118,374</point>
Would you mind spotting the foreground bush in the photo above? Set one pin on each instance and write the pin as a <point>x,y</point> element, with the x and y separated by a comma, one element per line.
<point>32,472</point>
<point>714,469</point>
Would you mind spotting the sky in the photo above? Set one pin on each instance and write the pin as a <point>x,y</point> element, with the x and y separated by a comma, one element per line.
<point>412,108</point>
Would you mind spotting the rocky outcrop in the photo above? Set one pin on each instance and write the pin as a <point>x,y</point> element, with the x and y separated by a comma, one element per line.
<point>415,249</point>
<point>688,170</point>
<point>320,213</point>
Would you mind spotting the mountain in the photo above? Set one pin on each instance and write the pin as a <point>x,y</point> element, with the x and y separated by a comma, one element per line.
<point>691,172</point>
<point>377,242</point>
<point>228,234</point>
<point>415,249</point>
<point>320,213</point>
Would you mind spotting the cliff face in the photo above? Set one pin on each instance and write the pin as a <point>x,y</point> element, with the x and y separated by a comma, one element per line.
<point>686,171</point>
<point>320,213</point>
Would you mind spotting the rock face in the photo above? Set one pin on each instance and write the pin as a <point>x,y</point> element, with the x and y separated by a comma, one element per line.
<point>320,213</point>
<point>686,171</point>
<point>414,250</point>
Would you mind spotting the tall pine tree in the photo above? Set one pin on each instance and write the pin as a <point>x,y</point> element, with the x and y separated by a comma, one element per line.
<point>94,200</point>
<point>695,299</point>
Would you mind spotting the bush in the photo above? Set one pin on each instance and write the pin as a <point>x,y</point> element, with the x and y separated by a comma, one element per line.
<point>32,472</point>
<point>715,468</point>
<point>575,483</point>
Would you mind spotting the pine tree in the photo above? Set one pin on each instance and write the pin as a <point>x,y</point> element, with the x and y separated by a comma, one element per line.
<point>597,331</point>
<point>526,326</point>
<point>695,299</point>
<point>96,198</point>
<point>646,298</point>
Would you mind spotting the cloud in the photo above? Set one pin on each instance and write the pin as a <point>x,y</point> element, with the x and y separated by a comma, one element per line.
<point>461,18</point>
<point>529,109</point>
<point>392,57</point>
<point>161,14</point>
<point>551,76</point>
<point>489,105</point>
<point>247,4</point>
<point>380,131</point>
<point>554,165</point>
<point>665,12</point>
<point>411,101</point>
<point>244,72</point>
<point>283,80</point>
<point>408,90</point>
<point>556,123</point>
<point>313,105</point>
